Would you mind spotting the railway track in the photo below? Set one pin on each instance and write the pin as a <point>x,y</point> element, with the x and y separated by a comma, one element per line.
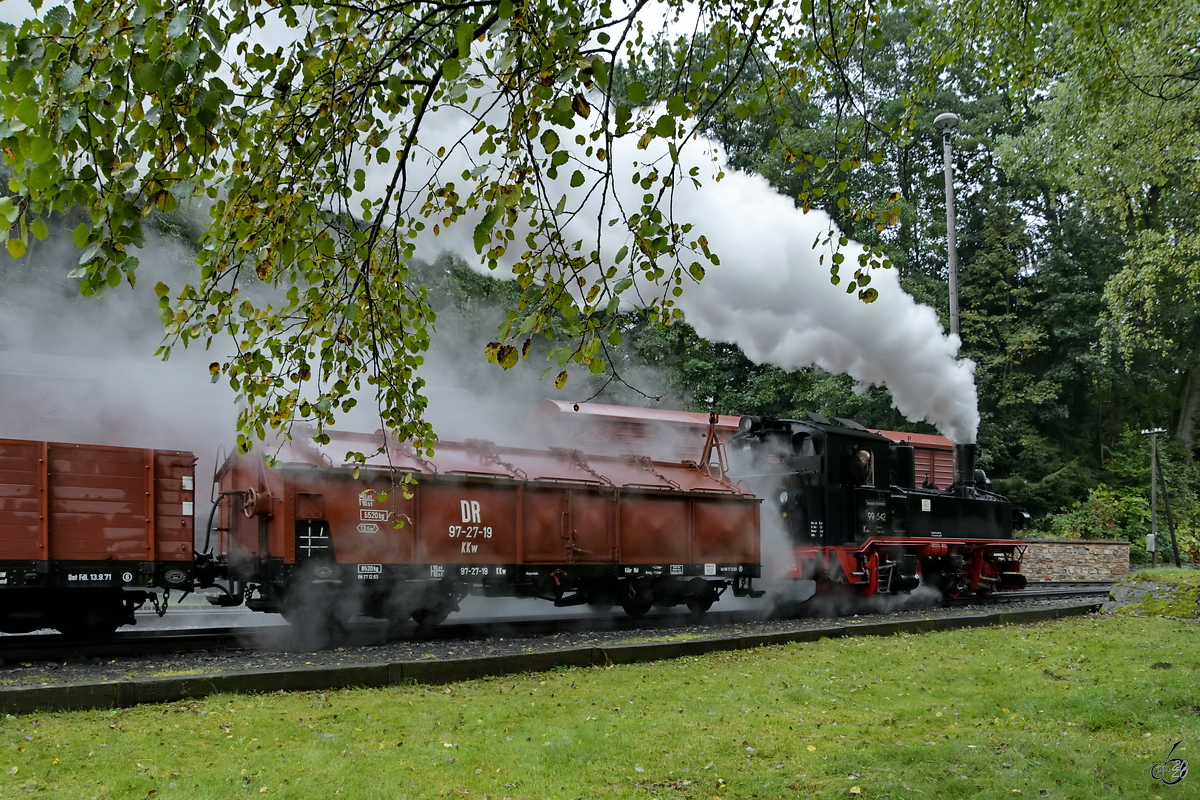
<point>366,633</point>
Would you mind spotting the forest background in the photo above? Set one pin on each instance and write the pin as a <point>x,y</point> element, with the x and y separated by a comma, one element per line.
<point>1077,163</point>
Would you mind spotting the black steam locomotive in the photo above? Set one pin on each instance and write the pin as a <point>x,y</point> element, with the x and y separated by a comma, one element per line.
<point>856,518</point>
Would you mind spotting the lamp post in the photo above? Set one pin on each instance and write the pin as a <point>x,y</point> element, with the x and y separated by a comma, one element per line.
<point>945,123</point>
<point>1152,539</point>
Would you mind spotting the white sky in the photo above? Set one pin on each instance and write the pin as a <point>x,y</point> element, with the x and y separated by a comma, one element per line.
<point>16,10</point>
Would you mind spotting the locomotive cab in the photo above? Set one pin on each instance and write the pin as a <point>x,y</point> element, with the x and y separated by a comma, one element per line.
<point>847,500</point>
<point>827,485</point>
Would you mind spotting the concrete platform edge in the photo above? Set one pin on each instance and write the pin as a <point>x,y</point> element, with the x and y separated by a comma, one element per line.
<point>123,694</point>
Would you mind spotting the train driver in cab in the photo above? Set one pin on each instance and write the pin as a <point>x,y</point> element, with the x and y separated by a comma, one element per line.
<point>860,467</point>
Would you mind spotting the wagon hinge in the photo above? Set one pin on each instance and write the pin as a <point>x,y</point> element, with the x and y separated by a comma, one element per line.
<point>647,464</point>
<point>488,450</point>
<point>576,458</point>
<point>720,477</point>
<point>411,452</point>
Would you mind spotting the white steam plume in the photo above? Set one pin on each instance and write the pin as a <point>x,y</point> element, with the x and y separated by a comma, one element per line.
<point>771,293</point>
<point>772,297</point>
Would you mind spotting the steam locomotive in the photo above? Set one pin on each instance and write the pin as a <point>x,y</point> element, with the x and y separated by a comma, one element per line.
<point>848,501</point>
<point>89,534</point>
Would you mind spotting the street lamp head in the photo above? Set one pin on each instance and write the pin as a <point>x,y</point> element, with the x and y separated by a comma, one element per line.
<point>944,122</point>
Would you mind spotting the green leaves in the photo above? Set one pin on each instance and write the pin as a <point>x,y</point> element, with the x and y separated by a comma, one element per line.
<point>319,171</point>
<point>27,112</point>
<point>463,34</point>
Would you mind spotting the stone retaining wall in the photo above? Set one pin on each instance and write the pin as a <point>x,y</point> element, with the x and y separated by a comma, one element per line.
<point>1075,560</point>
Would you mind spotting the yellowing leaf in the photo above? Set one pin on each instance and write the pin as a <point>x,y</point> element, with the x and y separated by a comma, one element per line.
<point>16,248</point>
<point>581,106</point>
<point>561,380</point>
<point>506,356</point>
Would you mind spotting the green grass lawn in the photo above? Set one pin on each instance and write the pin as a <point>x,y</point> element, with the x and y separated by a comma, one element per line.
<point>1080,708</point>
<point>1183,577</point>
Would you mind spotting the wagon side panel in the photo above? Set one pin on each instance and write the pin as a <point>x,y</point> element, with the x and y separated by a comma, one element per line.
<point>467,522</point>
<point>101,503</point>
<point>544,516</point>
<point>726,530</point>
<point>174,505</point>
<point>592,531</point>
<point>22,493</point>
<point>655,529</point>
<point>370,519</point>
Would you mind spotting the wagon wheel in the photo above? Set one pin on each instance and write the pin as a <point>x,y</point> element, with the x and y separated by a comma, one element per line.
<point>636,607</point>
<point>95,619</point>
<point>635,603</point>
<point>430,616</point>
<point>438,605</point>
<point>698,607</point>
<point>318,611</point>
<point>702,597</point>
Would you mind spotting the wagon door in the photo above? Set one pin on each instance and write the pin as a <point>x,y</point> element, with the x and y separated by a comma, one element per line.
<point>545,517</point>
<point>592,527</point>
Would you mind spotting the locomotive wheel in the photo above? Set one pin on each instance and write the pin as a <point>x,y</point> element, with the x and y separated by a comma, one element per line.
<point>955,588</point>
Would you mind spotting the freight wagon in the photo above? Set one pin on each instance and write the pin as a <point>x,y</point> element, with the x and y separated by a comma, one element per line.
<point>407,535</point>
<point>90,533</point>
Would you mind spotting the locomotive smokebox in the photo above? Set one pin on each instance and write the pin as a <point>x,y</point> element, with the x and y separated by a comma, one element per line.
<point>964,465</point>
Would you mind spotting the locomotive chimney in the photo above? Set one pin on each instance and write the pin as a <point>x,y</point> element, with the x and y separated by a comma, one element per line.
<point>964,465</point>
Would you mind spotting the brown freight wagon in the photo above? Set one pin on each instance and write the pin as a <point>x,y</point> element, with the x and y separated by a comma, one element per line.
<point>314,538</point>
<point>89,533</point>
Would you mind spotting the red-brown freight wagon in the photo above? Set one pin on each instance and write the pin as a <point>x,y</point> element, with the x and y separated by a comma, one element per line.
<point>319,540</point>
<point>89,533</point>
